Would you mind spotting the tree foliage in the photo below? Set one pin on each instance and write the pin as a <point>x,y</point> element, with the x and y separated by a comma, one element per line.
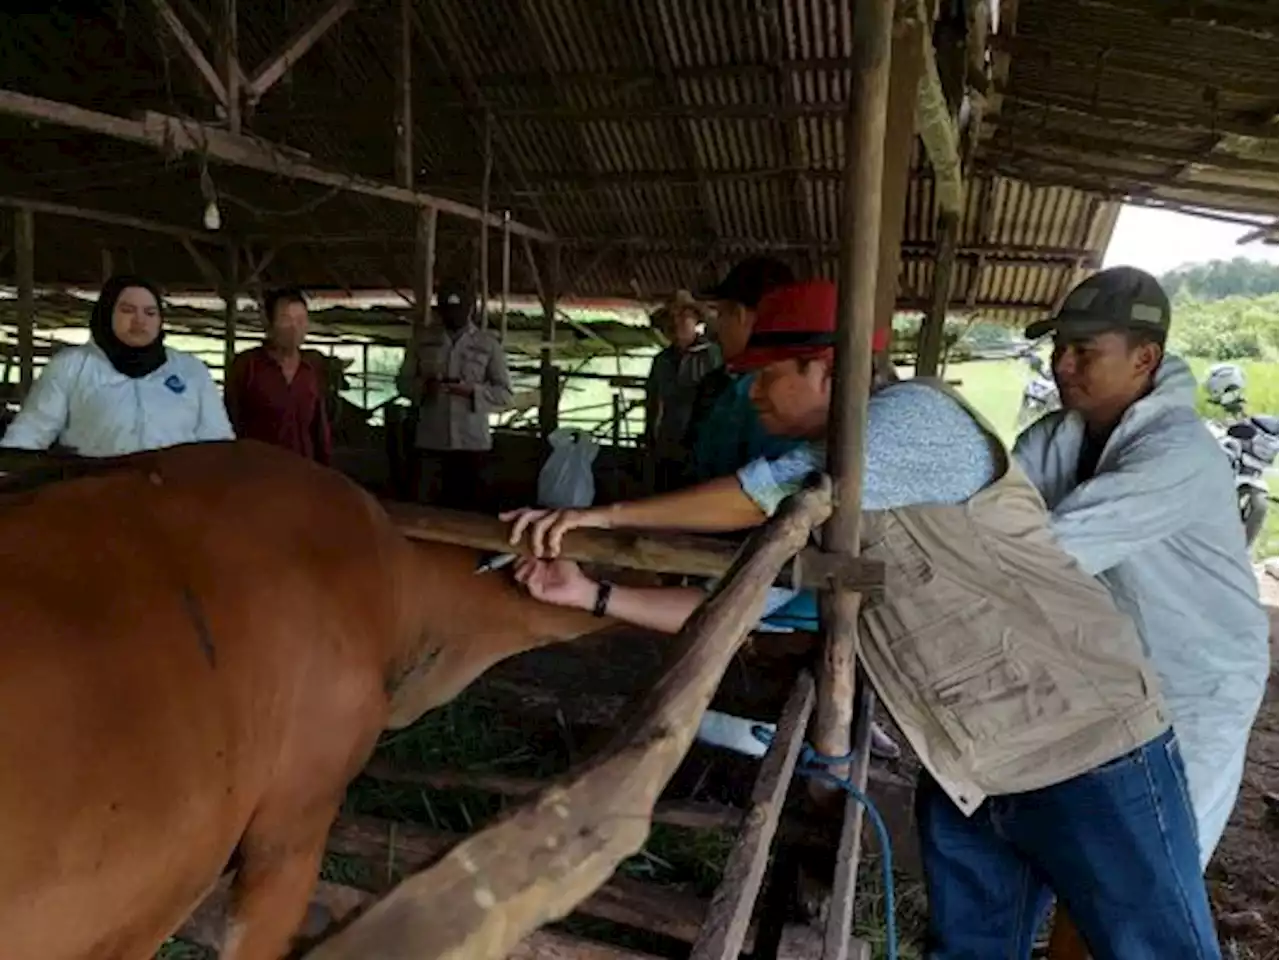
<point>1220,279</point>
<point>1233,328</point>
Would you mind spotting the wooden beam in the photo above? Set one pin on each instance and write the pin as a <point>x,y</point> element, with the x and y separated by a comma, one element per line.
<point>424,270</point>
<point>486,177</point>
<point>395,849</point>
<point>725,930</point>
<point>548,376</point>
<point>931,340</point>
<point>112,219</point>
<point>542,859</point>
<point>404,98</point>
<point>334,903</point>
<point>934,122</point>
<point>192,49</point>
<point>295,48</point>
<point>506,274</point>
<point>864,139</point>
<point>208,272</point>
<point>178,135</point>
<point>1137,116</point>
<point>24,268</point>
<point>229,63</point>
<point>230,308</point>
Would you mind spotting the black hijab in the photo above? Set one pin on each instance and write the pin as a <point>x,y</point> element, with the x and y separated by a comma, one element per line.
<point>131,361</point>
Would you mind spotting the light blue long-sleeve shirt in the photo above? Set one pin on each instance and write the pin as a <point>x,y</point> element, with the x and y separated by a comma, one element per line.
<point>921,447</point>
<point>1158,523</point>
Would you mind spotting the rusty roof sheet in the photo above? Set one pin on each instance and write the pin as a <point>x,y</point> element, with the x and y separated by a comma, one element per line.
<point>659,138</point>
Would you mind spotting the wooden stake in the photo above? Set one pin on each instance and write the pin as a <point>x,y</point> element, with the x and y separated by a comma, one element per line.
<point>404,102</point>
<point>229,57</point>
<point>506,273</point>
<point>729,915</point>
<point>424,273</point>
<point>859,265</point>
<point>930,345</point>
<point>24,250</point>
<point>485,180</point>
<point>549,377</point>
<point>230,294</point>
<point>539,861</point>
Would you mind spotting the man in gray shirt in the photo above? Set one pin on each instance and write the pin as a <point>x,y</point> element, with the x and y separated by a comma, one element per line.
<point>673,384</point>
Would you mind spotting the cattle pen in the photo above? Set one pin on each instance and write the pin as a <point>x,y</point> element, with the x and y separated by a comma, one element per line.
<point>960,157</point>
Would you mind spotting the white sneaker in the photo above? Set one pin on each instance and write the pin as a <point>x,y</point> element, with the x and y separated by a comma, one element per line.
<point>737,734</point>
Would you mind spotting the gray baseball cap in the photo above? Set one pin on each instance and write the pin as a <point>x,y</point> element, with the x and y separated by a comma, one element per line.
<point>1121,298</point>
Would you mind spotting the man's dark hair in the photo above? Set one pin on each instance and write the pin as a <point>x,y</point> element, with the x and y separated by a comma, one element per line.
<point>275,298</point>
<point>749,280</point>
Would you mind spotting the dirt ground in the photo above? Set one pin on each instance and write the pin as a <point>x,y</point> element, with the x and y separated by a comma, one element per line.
<point>1242,876</point>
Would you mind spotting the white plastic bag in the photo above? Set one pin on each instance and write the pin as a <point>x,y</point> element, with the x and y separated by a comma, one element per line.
<point>565,479</point>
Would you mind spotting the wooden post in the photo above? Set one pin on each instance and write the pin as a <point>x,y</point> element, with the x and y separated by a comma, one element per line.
<point>404,103</point>
<point>424,270</point>
<point>108,264</point>
<point>229,65</point>
<point>485,181</point>
<point>548,376</point>
<point>506,273</point>
<point>24,251</point>
<point>364,376</point>
<point>930,345</point>
<point>230,294</point>
<point>906,67</point>
<point>864,138</point>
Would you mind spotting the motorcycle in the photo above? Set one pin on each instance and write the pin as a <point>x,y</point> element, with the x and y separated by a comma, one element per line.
<point>1251,443</point>
<point>1040,395</point>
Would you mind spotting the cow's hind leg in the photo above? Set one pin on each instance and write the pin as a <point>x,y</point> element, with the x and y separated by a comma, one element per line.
<point>277,875</point>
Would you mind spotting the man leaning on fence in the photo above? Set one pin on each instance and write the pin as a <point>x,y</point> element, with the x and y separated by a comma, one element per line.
<point>1049,763</point>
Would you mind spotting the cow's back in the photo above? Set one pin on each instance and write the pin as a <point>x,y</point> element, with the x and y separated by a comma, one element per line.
<point>189,637</point>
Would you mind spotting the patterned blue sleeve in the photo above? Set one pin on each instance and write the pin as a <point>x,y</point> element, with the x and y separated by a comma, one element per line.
<point>769,482</point>
<point>921,447</point>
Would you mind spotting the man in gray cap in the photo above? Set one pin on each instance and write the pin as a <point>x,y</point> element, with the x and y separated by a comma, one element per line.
<point>1143,498</point>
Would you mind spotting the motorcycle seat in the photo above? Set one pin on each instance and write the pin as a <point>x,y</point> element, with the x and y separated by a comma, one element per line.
<point>1266,423</point>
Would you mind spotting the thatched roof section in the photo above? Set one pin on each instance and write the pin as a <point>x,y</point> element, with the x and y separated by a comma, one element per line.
<point>1164,100</point>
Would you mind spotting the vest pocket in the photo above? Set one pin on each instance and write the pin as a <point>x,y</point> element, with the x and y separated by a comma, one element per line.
<point>982,683</point>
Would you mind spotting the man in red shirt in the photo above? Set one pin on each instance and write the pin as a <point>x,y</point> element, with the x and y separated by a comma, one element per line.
<point>274,392</point>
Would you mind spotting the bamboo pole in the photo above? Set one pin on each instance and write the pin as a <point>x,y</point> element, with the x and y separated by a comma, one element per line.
<point>506,274</point>
<point>538,862</point>
<point>549,377</point>
<point>864,139</point>
<point>404,99</point>
<point>230,295</point>
<point>486,179</point>
<point>424,271</point>
<point>929,346</point>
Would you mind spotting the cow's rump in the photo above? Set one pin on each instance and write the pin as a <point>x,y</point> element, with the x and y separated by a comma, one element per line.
<point>195,640</point>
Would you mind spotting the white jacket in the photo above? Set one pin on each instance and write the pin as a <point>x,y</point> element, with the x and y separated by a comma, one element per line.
<point>1158,523</point>
<point>86,404</point>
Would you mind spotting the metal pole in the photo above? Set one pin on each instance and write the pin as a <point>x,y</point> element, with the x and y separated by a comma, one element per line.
<point>506,273</point>
<point>864,138</point>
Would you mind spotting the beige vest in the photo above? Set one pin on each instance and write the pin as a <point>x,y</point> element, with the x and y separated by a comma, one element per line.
<point>1007,667</point>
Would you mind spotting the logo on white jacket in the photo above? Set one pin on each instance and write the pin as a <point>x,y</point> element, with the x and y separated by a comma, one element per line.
<point>175,383</point>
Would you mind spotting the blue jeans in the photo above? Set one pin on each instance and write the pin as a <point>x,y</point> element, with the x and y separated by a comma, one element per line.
<point>1116,845</point>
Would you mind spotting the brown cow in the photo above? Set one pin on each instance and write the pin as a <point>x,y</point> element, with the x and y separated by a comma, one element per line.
<point>201,646</point>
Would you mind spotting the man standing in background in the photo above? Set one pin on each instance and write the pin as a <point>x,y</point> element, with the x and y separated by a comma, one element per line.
<point>673,385</point>
<point>457,375</point>
<point>275,393</point>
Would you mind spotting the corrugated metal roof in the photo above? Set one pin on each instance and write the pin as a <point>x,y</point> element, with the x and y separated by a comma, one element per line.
<point>659,138</point>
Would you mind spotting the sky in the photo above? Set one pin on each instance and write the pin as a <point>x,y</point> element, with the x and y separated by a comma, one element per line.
<point>1159,240</point>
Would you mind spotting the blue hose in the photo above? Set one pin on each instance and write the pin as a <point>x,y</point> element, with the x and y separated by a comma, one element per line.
<point>813,765</point>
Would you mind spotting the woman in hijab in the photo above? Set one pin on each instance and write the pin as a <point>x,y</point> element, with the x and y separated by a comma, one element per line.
<point>124,390</point>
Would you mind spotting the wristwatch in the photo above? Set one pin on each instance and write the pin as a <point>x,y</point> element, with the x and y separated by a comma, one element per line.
<point>604,590</point>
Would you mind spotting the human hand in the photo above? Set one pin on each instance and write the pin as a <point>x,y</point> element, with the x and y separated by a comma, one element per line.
<point>548,527</point>
<point>560,582</point>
